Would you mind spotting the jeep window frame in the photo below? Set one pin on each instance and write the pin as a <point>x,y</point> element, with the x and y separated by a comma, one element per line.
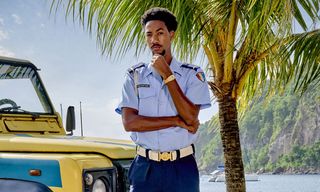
<point>36,82</point>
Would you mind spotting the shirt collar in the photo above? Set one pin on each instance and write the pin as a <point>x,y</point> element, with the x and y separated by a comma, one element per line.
<point>175,66</point>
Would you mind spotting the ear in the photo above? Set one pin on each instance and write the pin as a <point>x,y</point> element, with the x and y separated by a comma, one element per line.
<point>171,35</point>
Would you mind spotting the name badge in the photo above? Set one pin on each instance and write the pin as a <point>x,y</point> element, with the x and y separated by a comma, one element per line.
<point>143,85</point>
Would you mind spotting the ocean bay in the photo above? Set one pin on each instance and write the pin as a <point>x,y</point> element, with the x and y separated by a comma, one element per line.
<point>269,183</point>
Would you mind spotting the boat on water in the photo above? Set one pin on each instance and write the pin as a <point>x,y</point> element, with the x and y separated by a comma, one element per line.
<point>218,175</point>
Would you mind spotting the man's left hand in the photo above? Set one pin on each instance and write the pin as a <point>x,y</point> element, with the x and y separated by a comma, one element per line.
<point>191,128</point>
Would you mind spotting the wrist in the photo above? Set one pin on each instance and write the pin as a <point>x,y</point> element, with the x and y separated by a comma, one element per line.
<point>169,79</point>
<point>177,121</point>
<point>166,73</point>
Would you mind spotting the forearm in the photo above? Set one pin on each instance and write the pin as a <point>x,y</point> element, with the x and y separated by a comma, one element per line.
<point>137,123</point>
<point>186,109</point>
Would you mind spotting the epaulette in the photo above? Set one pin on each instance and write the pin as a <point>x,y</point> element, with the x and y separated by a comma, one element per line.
<point>133,68</point>
<point>189,66</point>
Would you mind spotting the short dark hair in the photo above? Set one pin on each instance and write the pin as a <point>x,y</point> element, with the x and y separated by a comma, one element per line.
<point>162,14</point>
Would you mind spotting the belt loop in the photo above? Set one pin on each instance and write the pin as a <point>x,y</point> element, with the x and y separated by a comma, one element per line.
<point>193,148</point>
<point>137,148</point>
<point>147,153</point>
<point>178,154</point>
<point>171,156</point>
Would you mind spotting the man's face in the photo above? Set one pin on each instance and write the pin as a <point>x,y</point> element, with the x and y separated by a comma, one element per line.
<point>158,37</point>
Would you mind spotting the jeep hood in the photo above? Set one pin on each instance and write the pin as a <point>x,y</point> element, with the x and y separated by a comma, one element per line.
<point>114,149</point>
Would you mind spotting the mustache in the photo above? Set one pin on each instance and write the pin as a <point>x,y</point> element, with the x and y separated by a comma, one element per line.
<point>153,45</point>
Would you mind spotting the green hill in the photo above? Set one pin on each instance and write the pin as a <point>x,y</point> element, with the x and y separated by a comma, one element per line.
<point>283,133</point>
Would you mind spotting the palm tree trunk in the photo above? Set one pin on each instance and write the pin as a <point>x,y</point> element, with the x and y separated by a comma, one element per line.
<point>231,144</point>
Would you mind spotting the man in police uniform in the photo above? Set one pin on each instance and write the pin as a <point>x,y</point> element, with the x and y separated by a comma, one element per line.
<point>160,106</point>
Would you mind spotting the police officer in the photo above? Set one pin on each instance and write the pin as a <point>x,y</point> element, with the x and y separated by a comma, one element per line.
<point>160,106</point>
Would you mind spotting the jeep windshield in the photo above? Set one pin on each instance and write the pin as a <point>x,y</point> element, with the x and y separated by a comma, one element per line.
<point>21,90</point>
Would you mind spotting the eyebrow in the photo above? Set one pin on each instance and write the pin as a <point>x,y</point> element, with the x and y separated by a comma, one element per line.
<point>160,29</point>
<point>156,30</point>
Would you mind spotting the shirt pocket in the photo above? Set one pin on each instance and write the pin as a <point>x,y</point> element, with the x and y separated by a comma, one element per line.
<point>147,101</point>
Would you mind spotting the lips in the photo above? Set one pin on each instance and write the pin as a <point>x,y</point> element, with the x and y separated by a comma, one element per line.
<point>156,47</point>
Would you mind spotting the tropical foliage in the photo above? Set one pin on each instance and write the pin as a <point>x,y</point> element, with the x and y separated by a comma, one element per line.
<point>283,132</point>
<point>247,43</point>
<point>301,157</point>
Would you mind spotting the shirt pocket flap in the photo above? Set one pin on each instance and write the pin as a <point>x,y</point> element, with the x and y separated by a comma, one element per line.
<point>145,92</point>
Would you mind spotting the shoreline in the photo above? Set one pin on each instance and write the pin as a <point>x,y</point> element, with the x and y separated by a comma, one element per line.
<point>279,171</point>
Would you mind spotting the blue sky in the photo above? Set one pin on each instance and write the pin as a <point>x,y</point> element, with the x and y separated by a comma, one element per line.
<point>72,67</point>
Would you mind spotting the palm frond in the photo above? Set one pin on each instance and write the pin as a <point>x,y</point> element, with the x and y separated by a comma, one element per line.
<point>306,59</point>
<point>296,64</point>
<point>118,28</point>
<point>264,27</point>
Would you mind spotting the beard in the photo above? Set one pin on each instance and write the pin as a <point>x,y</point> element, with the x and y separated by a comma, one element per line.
<point>162,53</point>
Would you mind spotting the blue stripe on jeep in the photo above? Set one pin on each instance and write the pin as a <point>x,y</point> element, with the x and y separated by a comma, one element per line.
<point>19,169</point>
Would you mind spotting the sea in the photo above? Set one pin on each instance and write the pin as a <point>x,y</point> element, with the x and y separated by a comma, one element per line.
<point>269,183</point>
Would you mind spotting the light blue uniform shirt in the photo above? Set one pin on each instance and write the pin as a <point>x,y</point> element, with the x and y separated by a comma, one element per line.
<point>154,100</point>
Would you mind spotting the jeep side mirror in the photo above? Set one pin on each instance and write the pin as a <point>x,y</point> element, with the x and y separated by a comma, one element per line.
<point>70,122</point>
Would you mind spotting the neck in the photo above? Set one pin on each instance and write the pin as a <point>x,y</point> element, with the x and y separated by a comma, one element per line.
<point>168,58</point>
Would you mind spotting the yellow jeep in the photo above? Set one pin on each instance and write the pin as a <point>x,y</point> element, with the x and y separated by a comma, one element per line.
<point>37,154</point>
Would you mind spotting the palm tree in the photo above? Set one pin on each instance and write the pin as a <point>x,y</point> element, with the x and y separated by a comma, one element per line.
<point>249,46</point>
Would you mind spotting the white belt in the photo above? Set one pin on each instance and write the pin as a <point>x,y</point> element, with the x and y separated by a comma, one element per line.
<point>165,156</point>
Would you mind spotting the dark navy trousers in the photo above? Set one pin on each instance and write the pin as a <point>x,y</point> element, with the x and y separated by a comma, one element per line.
<point>147,175</point>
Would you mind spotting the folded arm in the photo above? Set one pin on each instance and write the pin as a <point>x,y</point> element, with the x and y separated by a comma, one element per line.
<point>132,121</point>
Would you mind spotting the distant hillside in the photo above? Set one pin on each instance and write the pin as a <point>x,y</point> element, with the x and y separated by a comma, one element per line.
<point>282,135</point>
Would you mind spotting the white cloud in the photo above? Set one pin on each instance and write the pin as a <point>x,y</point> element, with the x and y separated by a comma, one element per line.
<point>113,103</point>
<point>6,53</point>
<point>17,19</point>
<point>1,21</point>
<point>3,35</point>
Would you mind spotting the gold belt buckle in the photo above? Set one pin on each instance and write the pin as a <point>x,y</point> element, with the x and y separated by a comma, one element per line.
<point>165,156</point>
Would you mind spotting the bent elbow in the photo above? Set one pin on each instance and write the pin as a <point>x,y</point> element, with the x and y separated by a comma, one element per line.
<point>127,126</point>
<point>129,117</point>
<point>191,119</point>
<point>192,116</point>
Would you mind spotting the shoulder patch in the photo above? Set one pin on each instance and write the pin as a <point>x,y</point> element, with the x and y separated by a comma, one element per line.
<point>189,66</point>
<point>201,76</point>
<point>133,68</point>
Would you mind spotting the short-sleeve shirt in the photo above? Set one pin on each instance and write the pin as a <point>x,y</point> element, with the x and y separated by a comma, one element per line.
<point>146,92</point>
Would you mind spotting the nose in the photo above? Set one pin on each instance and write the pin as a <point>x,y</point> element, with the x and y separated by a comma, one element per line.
<point>154,39</point>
